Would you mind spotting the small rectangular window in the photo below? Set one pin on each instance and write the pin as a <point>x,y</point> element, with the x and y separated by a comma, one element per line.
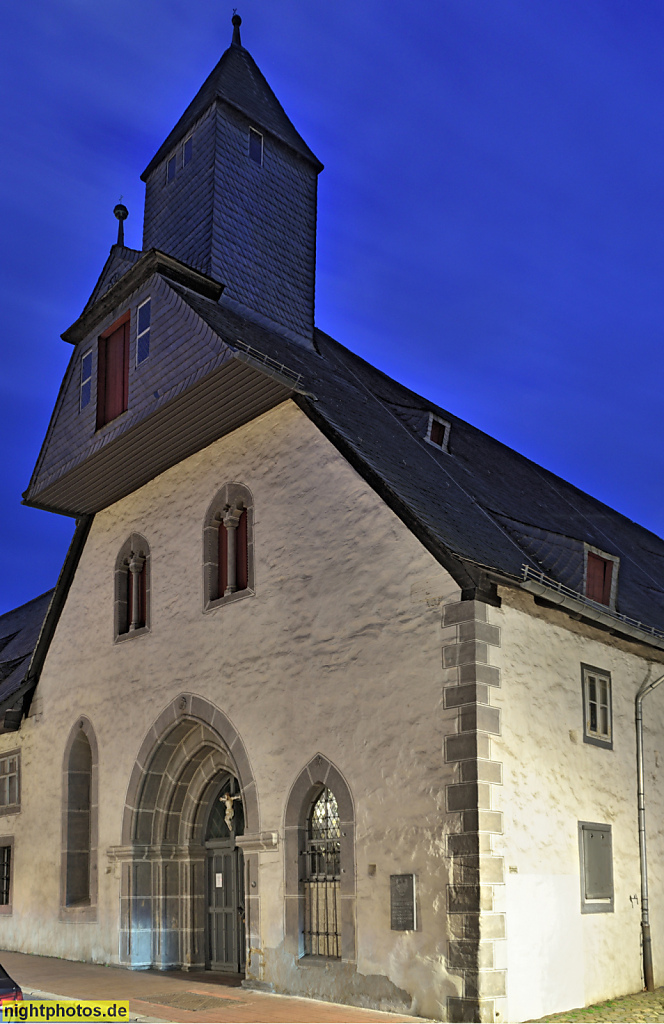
<point>255,146</point>
<point>9,782</point>
<point>187,151</point>
<point>143,332</point>
<point>597,725</point>
<point>86,379</point>
<point>170,169</point>
<point>596,863</point>
<point>438,432</point>
<point>599,578</point>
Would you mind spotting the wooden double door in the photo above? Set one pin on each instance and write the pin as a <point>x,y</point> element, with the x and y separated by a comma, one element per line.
<point>225,908</point>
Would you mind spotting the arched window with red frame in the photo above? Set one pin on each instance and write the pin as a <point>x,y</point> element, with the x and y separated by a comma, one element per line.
<point>229,545</point>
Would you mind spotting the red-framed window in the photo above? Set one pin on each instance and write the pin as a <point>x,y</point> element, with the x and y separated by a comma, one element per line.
<point>241,556</point>
<point>113,372</point>
<point>599,576</point>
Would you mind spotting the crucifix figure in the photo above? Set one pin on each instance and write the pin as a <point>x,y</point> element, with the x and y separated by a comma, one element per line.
<point>227,799</point>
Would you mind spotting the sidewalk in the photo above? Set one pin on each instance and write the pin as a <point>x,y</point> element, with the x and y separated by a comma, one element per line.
<point>642,1006</point>
<point>176,996</point>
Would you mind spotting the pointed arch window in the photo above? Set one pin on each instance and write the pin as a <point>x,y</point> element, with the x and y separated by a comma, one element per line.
<point>228,542</point>
<point>319,852</point>
<point>79,864</point>
<point>132,588</point>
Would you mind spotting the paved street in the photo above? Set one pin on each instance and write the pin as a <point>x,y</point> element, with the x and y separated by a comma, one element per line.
<point>642,1006</point>
<point>176,996</point>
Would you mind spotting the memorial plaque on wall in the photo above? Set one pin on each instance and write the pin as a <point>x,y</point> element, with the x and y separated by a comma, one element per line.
<point>402,903</point>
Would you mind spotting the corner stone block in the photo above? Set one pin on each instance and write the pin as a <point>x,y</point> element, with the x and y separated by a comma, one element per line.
<point>483,821</point>
<point>469,955</point>
<point>468,795</point>
<point>488,674</point>
<point>469,693</point>
<point>470,1011</point>
<point>463,747</point>
<point>463,899</point>
<point>482,771</point>
<point>463,611</point>
<point>474,630</point>
<point>485,983</point>
<point>479,716</point>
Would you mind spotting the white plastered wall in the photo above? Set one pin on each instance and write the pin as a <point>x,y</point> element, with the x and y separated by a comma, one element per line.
<point>557,957</point>
<point>338,652</point>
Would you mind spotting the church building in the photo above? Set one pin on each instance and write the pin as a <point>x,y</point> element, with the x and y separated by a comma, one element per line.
<point>334,692</point>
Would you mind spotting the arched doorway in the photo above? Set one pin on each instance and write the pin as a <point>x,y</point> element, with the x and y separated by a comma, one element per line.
<point>225,898</point>
<point>191,757</point>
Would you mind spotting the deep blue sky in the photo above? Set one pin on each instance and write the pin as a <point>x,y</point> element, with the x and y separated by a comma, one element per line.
<point>491,226</point>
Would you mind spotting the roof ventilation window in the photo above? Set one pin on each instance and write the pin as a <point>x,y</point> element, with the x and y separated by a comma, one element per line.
<point>601,577</point>
<point>438,432</point>
<point>256,146</point>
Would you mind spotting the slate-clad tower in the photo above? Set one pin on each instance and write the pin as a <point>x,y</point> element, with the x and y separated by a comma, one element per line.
<point>232,192</point>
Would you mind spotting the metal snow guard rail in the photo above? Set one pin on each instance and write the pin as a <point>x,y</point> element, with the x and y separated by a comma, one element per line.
<point>546,581</point>
<point>268,362</point>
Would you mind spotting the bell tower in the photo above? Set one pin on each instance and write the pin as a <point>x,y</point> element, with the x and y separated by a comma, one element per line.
<point>232,192</point>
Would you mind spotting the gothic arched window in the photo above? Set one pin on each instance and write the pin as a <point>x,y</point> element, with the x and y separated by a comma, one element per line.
<point>319,852</point>
<point>322,912</point>
<point>132,588</point>
<point>228,543</point>
<point>80,818</point>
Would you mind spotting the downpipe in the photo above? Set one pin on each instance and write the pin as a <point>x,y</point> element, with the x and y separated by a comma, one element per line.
<point>648,975</point>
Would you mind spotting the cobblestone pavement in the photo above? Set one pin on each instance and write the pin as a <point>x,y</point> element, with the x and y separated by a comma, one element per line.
<point>642,1006</point>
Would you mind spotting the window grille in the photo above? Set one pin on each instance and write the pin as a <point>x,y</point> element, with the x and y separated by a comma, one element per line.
<point>321,886</point>
<point>5,875</point>
<point>8,780</point>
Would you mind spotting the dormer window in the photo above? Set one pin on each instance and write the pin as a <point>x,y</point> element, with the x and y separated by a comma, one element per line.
<point>113,372</point>
<point>438,432</point>
<point>86,379</point>
<point>170,169</point>
<point>187,151</point>
<point>601,578</point>
<point>143,332</point>
<point>256,146</point>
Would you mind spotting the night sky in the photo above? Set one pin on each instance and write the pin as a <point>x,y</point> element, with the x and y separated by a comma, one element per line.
<point>490,217</point>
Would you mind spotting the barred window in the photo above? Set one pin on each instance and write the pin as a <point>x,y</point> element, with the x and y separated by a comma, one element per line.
<point>5,875</point>
<point>321,885</point>
<point>9,771</point>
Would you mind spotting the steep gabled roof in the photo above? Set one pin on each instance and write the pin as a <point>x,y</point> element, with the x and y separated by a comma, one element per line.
<point>483,509</point>
<point>19,632</point>
<point>238,81</point>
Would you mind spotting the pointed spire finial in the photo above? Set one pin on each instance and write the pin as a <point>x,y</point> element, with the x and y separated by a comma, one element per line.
<point>237,21</point>
<point>121,212</point>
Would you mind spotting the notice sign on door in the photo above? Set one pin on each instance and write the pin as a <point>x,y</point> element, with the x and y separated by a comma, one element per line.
<point>219,880</point>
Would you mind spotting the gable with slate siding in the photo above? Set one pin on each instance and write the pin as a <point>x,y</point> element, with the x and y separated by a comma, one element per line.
<point>181,350</point>
<point>264,234</point>
<point>120,260</point>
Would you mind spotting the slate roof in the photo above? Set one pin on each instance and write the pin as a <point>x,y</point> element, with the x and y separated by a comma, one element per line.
<point>479,507</point>
<point>19,632</point>
<point>238,81</point>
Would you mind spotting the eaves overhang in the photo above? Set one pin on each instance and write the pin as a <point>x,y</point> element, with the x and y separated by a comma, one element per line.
<point>236,391</point>
<point>152,262</point>
<point>589,612</point>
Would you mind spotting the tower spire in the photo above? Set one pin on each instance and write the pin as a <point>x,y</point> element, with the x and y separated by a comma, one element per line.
<point>237,21</point>
<point>121,212</point>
